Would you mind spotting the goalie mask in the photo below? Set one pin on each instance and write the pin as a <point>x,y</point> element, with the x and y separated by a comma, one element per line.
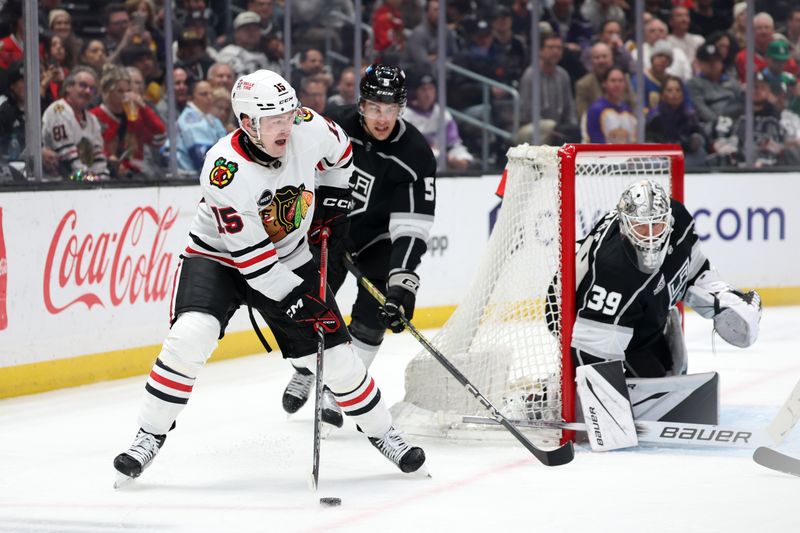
<point>645,220</point>
<point>271,104</point>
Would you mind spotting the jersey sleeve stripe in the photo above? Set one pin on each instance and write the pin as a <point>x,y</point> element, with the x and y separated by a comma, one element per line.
<point>259,272</point>
<point>241,265</point>
<point>346,153</point>
<point>244,251</point>
<point>199,242</point>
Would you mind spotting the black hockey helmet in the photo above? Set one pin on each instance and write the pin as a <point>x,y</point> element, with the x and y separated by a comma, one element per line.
<point>384,83</point>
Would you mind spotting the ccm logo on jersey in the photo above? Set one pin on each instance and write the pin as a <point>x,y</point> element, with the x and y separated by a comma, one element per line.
<point>294,308</point>
<point>339,203</point>
<point>223,172</point>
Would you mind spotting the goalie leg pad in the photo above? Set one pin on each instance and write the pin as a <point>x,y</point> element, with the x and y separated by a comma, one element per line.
<point>606,406</point>
<point>691,398</point>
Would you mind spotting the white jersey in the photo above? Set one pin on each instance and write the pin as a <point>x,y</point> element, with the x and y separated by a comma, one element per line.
<point>77,142</point>
<point>254,216</point>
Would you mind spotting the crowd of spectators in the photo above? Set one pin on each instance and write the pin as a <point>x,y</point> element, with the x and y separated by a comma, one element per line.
<point>105,111</point>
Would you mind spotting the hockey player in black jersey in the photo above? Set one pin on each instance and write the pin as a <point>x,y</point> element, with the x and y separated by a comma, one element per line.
<point>394,192</point>
<point>632,270</point>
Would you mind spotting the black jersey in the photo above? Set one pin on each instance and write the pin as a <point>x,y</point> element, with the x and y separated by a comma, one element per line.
<point>394,189</point>
<point>621,311</point>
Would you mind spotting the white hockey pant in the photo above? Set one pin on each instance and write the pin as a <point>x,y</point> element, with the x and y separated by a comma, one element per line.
<point>190,342</point>
<point>355,390</point>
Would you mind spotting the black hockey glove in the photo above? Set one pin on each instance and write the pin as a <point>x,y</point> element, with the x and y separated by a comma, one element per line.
<point>331,208</point>
<point>304,306</point>
<point>401,296</point>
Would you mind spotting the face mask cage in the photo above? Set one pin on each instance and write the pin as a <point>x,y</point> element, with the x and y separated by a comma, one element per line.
<point>648,235</point>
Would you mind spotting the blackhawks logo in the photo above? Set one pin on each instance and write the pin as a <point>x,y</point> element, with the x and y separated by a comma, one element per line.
<point>286,212</point>
<point>303,115</point>
<point>222,173</point>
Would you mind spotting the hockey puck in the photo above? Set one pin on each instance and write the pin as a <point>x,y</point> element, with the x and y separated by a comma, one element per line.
<point>330,502</point>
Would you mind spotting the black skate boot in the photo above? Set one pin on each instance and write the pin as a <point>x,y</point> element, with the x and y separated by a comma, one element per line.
<point>392,445</point>
<point>145,446</point>
<point>296,394</point>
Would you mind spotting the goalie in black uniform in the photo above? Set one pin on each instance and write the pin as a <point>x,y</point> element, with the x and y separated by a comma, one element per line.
<point>632,269</point>
<point>393,188</point>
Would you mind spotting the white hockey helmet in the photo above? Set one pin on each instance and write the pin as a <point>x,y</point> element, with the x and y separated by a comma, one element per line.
<point>262,93</point>
<point>645,220</point>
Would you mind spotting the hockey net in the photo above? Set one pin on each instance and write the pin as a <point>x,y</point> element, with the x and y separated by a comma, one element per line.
<point>505,337</point>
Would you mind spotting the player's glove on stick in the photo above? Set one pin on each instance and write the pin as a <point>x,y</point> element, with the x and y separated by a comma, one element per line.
<point>331,209</point>
<point>304,306</point>
<point>401,296</point>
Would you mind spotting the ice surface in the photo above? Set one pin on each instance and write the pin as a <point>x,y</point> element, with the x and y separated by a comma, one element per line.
<point>236,464</point>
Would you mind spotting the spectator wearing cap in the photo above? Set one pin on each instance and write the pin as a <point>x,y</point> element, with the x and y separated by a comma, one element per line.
<point>197,12</point>
<point>764,29</point>
<point>480,55</point>
<point>712,92</point>
<point>221,75</point>
<point>707,19</point>
<point>512,48</point>
<point>589,88</point>
<point>674,120</point>
<point>559,123</point>
<point>422,46</point>
<point>778,54</point>
<point>198,128</point>
<point>565,20</point>
<point>611,35</point>
<point>656,74</point>
<point>72,132</point>
<point>790,120</point>
<point>345,89</point>
<point>191,54</point>
<point>423,112</point>
<point>655,30</point>
<point>244,54</point>
<point>680,37</point>
<point>387,30</point>
<point>598,11</point>
<point>12,45</point>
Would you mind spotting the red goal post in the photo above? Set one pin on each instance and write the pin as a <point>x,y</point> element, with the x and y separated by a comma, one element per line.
<point>505,336</point>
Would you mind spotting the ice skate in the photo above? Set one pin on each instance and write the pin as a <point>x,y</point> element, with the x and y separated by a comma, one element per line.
<point>331,413</point>
<point>131,464</point>
<point>297,391</point>
<point>394,447</point>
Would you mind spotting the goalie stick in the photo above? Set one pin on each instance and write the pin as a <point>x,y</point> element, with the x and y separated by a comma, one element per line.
<point>787,416</point>
<point>775,460</point>
<point>558,456</point>
<point>656,432</point>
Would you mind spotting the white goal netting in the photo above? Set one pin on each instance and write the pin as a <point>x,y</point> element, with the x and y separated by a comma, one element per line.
<point>504,337</point>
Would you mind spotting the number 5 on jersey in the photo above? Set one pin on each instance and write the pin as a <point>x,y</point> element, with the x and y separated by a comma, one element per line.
<point>603,301</point>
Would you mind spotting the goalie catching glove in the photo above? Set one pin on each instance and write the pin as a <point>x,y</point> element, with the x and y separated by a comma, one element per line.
<point>304,306</point>
<point>401,297</point>
<point>736,314</point>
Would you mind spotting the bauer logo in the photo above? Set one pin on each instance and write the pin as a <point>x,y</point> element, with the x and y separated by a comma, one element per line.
<point>704,434</point>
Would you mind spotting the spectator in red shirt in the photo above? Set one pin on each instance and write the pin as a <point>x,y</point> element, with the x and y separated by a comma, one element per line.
<point>11,46</point>
<point>764,28</point>
<point>127,123</point>
<point>387,26</point>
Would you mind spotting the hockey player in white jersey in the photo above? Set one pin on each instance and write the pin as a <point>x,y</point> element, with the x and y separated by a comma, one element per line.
<point>263,186</point>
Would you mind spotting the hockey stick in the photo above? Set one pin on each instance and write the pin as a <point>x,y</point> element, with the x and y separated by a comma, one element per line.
<point>656,432</point>
<point>556,457</point>
<point>323,289</point>
<point>775,460</point>
<point>787,416</point>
